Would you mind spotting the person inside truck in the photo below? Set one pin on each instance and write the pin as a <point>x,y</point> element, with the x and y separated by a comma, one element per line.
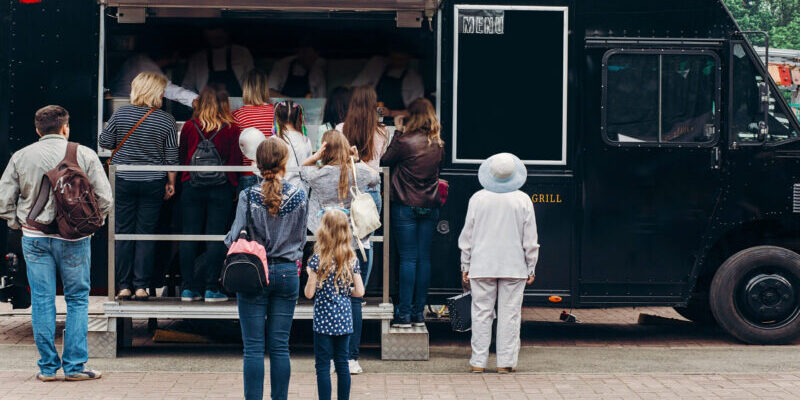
<point>222,64</point>
<point>395,81</point>
<point>151,60</point>
<point>300,75</point>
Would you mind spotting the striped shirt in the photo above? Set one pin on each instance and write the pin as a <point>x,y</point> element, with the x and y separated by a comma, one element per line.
<point>155,141</point>
<point>260,117</point>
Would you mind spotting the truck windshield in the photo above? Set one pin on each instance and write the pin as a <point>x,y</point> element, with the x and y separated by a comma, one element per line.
<point>746,108</point>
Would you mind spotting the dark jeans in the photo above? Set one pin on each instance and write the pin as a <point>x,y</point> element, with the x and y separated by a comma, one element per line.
<point>245,181</point>
<point>413,233</point>
<point>276,303</point>
<point>138,205</point>
<point>327,347</point>
<point>355,337</point>
<point>204,210</point>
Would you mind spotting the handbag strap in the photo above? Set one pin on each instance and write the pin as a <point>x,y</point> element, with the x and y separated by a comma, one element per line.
<point>127,135</point>
<point>355,174</point>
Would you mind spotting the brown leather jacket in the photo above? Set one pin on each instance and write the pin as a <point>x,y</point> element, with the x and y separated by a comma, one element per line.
<point>415,169</point>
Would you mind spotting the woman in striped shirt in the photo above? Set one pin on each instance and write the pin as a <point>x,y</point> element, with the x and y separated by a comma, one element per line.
<point>257,112</point>
<point>139,194</point>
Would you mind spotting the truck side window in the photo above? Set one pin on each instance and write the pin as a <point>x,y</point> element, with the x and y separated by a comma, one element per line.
<point>746,107</point>
<point>660,98</point>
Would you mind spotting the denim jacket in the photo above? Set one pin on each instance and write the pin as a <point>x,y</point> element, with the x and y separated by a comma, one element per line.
<point>283,235</point>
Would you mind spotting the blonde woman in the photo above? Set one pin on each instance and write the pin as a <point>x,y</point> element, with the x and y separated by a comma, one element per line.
<point>414,155</point>
<point>139,193</point>
<point>257,112</point>
<point>207,198</point>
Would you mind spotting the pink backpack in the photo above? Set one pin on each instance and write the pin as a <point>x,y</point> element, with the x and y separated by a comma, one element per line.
<point>245,269</point>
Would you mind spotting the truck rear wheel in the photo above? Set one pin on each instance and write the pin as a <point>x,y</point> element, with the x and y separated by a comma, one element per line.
<point>755,295</point>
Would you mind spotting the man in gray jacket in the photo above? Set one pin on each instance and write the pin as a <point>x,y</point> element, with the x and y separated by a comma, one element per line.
<point>47,254</point>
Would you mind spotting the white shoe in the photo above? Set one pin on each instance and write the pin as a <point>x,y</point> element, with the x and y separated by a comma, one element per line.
<point>355,368</point>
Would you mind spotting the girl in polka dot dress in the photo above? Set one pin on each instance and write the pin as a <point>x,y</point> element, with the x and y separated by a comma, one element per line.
<point>333,276</point>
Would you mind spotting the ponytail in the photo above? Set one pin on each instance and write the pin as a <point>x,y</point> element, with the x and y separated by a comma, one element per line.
<point>271,158</point>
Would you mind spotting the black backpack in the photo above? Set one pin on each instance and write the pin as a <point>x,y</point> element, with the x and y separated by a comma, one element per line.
<point>206,154</point>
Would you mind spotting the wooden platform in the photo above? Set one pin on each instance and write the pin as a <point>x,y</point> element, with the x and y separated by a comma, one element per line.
<point>174,308</point>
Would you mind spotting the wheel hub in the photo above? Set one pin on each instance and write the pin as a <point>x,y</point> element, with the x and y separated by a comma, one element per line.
<point>769,297</point>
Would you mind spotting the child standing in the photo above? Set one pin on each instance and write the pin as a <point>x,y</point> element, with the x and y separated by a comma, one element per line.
<point>331,271</point>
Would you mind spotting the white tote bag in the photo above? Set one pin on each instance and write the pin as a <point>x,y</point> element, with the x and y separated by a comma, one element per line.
<point>364,216</point>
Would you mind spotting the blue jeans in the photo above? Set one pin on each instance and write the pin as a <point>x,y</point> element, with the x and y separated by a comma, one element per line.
<point>413,233</point>
<point>276,303</point>
<point>327,347</point>
<point>72,260</point>
<point>355,302</point>
<point>366,269</point>
<point>245,181</point>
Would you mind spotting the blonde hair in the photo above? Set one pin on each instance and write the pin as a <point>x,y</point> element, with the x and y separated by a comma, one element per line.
<point>271,157</point>
<point>255,88</point>
<point>147,89</point>
<point>422,118</point>
<point>337,152</point>
<point>212,110</point>
<point>335,249</point>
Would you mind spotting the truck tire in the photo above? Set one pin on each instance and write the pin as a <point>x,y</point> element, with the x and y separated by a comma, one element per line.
<point>754,295</point>
<point>698,310</point>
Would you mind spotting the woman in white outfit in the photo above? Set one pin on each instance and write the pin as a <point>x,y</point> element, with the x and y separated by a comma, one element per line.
<point>499,249</point>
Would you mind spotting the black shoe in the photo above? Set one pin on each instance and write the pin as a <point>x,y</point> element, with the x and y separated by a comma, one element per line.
<point>401,322</point>
<point>418,321</point>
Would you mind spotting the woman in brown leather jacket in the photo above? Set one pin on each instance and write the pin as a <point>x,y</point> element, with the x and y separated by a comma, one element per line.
<point>414,156</point>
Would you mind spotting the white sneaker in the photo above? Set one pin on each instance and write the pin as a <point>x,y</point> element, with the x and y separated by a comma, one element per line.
<point>355,368</point>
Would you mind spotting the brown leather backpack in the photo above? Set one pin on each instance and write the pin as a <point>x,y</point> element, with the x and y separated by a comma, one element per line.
<point>76,211</point>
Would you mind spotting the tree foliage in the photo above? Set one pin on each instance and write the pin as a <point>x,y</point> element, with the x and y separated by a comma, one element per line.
<point>780,18</point>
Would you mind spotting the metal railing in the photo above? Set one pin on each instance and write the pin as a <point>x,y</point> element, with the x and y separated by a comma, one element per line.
<point>113,236</point>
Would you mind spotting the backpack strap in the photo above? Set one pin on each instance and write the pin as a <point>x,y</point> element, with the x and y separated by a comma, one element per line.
<point>249,216</point>
<point>200,132</point>
<point>71,156</point>
<point>114,152</point>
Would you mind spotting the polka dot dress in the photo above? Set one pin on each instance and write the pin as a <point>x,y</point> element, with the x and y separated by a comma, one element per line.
<point>333,314</point>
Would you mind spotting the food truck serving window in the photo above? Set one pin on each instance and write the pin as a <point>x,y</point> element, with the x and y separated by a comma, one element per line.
<point>510,83</point>
<point>661,97</point>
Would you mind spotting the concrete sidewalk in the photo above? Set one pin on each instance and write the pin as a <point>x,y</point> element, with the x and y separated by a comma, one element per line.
<point>193,386</point>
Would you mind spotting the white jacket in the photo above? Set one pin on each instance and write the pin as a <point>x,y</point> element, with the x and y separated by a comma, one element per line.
<point>499,239</point>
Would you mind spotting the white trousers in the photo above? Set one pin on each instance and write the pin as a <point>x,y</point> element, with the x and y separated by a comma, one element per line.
<point>507,294</point>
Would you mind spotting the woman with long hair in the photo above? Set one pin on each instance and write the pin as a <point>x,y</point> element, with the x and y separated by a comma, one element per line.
<point>363,130</point>
<point>206,198</point>
<point>330,180</point>
<point>415,154</point>
<point>279,211</point>
<point>257,112</point>
<point>290,127</point>
<point>139,194</point>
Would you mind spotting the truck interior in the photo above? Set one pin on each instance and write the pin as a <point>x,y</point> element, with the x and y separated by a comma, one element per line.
<point>345,37</point>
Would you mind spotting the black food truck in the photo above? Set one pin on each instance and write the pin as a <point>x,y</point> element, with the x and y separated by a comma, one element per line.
<point>663,164</point>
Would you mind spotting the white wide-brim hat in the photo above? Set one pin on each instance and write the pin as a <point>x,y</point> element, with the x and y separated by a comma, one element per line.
<point>502,173</point>
<point>249,140</point>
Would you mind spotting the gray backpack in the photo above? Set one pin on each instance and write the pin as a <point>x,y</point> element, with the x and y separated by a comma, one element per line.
<point>206,154</point>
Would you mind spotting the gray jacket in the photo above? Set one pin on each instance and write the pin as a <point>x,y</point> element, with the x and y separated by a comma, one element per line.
<point>23,177</point>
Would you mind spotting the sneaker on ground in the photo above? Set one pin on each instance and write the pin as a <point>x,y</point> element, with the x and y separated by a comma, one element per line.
<point>124,294</point>
<point>45,378</point>
<point>401,322</point>
<point>355,368</point>
<point>190,295</point>
<point>213,296</point>
<point>86,375</point>
<point>418,321</point>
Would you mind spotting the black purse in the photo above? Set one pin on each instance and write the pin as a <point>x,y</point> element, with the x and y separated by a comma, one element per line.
<point>460,310</point>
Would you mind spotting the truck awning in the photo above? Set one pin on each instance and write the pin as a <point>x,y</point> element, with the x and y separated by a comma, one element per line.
<point>283,5</point>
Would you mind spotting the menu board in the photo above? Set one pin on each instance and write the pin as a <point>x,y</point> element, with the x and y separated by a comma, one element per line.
<point>510,83</point>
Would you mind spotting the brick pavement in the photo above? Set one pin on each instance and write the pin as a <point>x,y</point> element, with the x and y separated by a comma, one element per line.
<point>193,386</point>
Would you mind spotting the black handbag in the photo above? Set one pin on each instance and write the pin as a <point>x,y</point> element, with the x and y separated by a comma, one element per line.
<point>460,310</point>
